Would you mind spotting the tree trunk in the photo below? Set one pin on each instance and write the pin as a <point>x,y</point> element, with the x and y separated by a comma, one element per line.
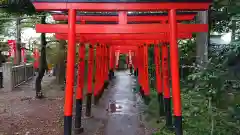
<point>60,69</point>
<point>202,40</point>
<point>18,44</point>
<point>233,30</point>
<point>43,63</point>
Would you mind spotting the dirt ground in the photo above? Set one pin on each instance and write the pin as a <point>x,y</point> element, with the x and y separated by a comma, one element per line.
<point>117,114</point>
<point>22,114</point>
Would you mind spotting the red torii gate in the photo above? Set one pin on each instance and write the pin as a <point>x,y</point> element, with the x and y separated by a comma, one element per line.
<point>128,50</point>
<point>143,80</point>
<point>170,28</point>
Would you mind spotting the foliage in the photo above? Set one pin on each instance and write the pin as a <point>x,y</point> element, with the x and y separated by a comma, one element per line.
<point>122,61</point>
<point>218,84</point>
<point>220,76</point>
<point>210,96</point>
<point>17,6</point>
<point>223,11</point>
<point>29,58</point>
<point>4,46</point>
<point>3,21</point>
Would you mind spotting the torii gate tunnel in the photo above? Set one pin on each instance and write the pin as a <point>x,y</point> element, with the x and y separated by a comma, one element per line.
<point>116,31</point>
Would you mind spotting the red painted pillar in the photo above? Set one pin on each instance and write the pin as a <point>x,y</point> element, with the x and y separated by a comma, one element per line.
<point>97,75</point>
<point>106,58</point>
<point>127,60</point>
<point>122,17</point>
<point>14,52</point>
<point>104,67</point>
<point>130,61</point>
<point>136,62</point>
<point>106,63</point>
<point>133,59</point>
<point>109,68</point>
<point>70,72</point>
<point>114,60</point>
<point>79,91</point>
<point>36,58</point>
<point>174,60</point>
<point>101,70</point>
<point>130,58</point>
<point>24,60</point>
<point>166,89</point>
<point>139,63</point>
<point>90,81</point>
<point>117,59</point>
<point>133,62</point>
<point>100,66</point>
<point>146,79</point>
<point>141,71</point>
<point>98,70</point>
<point>12,45</point>
<point>110,57</point>
<point>158,79</point>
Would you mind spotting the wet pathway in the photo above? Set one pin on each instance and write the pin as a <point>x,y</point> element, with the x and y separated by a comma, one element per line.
<point>123,118</point>
<point>119,104</point>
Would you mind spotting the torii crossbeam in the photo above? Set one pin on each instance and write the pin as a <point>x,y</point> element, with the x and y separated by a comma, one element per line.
<point>121,28</point>
<point>139,18</point>
<point>88,37</point>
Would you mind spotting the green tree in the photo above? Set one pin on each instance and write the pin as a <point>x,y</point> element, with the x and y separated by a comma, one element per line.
<point>4,46</point>
<point>17,6</point>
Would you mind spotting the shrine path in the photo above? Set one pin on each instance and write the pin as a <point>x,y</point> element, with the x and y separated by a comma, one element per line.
<point>118,112</point>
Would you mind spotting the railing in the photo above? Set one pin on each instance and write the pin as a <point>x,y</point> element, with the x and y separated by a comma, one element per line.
<point>29,70</point>
<point>17,75</point>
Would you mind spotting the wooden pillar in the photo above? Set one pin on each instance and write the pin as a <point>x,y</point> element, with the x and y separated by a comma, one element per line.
<point>174,60</point>
<point>70,72</point>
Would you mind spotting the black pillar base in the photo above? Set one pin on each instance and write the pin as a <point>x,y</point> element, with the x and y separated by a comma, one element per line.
<point>89,105</point>
<point>135,73</point>
<point>111,74</point>
<point>178,125</point>
<point>101,92</point>
<point>161,104</point>
<point>67,125</point>
<point>168,113</point>
<point>105,85</point>
<point>78,120</point>
<point>131,70</point>
<point>1,79</point>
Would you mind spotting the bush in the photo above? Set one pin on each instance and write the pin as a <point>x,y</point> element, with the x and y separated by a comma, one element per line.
<point>210,95</point>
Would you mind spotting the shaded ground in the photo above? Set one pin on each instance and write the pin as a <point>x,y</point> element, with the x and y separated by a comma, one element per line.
<point>117,113</point>
<point>22,114</point>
